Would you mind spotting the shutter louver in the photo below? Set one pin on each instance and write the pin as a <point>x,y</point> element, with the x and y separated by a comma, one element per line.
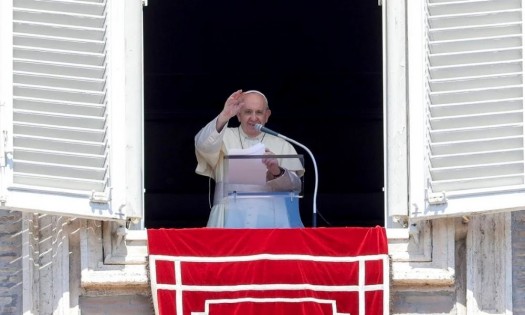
<point>475,95</point>
<point>60,138</point>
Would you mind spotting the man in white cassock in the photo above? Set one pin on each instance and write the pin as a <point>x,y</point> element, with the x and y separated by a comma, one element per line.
<point>266,205</point>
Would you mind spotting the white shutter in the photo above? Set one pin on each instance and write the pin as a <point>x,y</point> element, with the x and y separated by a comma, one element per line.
<point>471,145</point>
<point>64,128</point>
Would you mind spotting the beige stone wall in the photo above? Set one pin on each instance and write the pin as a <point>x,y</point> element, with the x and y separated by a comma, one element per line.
<point>10,263</point>
<point>518,262</point>
<point>116,305</point>
<point>423,301</point>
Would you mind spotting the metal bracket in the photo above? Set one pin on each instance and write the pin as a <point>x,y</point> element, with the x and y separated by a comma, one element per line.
<point>413,232</point>
<point>401,219</point>
<point>120,233</point>
<point>132,220</point>
<point>437,198</point>
<point>99,197</point>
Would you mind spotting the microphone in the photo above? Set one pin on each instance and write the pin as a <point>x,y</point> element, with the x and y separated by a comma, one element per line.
<point>261,128</point>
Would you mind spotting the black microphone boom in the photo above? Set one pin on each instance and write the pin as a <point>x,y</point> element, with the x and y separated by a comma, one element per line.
<point>261,128</point>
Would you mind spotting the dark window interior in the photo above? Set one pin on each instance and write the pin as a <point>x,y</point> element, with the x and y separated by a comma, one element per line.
<point>319,64</point>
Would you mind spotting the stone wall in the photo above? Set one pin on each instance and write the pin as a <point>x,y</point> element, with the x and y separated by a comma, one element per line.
<point>10,263</point>
<point>518,262</point>
<point>116,305</point>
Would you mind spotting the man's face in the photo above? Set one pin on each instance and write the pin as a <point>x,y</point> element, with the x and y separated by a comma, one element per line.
<point>254,111</point>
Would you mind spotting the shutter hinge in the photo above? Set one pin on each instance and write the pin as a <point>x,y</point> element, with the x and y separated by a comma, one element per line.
<point>437,198</point>
<point>5,151</point>
<point>99,197</point>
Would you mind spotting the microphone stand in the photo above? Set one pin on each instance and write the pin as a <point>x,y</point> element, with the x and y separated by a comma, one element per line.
<point>314,214</point>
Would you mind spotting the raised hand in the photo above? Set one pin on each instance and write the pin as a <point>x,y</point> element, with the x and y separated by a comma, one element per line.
<point>231,107</point>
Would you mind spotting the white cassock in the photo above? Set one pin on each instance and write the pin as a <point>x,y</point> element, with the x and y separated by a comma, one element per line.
<point>229,211</point>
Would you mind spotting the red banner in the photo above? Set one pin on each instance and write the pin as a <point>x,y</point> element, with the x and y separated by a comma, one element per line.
<point>310,271</point>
